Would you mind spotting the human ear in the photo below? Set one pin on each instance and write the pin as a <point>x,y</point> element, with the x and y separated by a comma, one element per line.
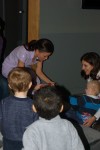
<point>9,86</point>
<point>30,84</point>
<point>36,52</point>
<point>33,108</point>
<point>61,109</point>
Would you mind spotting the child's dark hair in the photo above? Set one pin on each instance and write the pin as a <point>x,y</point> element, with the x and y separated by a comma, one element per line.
<point>48,102</point>
<point>43,45</point>
<point>93,59</point>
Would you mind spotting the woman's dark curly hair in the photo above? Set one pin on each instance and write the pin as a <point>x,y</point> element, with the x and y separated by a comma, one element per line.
<point>93,59</point>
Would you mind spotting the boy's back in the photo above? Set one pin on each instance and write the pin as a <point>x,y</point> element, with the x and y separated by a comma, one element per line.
<point>16,111</point>
<point>54,134</point>
<point>16,114</point>
<point>50,132</point>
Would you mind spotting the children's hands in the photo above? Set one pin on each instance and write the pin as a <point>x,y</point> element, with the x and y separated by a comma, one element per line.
<point>38,86</point>
<point>89,121</point>
<point>51,83</point>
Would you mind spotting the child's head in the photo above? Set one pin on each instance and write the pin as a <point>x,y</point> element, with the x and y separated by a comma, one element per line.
<point>93,88</point>
<point>19,80</point>
<point>48,102</point>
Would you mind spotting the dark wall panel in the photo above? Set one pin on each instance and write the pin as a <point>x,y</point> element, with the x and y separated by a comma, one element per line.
<point>91,4</point>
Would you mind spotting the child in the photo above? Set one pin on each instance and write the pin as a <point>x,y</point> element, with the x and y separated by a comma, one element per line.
<point>85,106</point>
<point>93,89</point>
<point>50,132</point>
<point>16,110</point>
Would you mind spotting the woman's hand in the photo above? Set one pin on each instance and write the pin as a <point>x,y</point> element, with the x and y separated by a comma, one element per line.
<point>89,121</point>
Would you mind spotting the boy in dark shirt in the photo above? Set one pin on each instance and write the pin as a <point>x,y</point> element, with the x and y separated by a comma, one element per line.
<point>16,110</point>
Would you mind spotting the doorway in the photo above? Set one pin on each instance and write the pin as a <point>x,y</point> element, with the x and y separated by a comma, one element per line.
<point>15,16</point>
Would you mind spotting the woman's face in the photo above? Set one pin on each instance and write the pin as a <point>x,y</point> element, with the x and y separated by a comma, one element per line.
<point>86,67</point>
<point>42,56</point>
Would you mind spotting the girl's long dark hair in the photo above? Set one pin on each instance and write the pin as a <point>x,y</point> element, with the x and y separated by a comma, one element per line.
<point>43,45</point>
<point>93,59</point>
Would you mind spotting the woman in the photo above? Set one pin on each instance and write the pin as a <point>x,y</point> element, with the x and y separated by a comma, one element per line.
<point>90,66</point>
<point>91,71</point>
<point>31,56</point>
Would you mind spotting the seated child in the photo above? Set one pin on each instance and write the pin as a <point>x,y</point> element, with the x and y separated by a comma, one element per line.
<point>16,110</point>
<point>96,116</point>
<point>85,106</point>
<point>50,132</point>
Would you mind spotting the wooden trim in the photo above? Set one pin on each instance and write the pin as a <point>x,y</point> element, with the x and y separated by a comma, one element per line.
<point>33,19</point>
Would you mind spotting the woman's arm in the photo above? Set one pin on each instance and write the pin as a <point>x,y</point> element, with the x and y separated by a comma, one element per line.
<point>97,114</point>
<point>90,121</point>
<point>41,75</point>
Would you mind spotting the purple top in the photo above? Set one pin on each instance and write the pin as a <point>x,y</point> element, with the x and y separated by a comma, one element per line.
<point>11,61</point>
